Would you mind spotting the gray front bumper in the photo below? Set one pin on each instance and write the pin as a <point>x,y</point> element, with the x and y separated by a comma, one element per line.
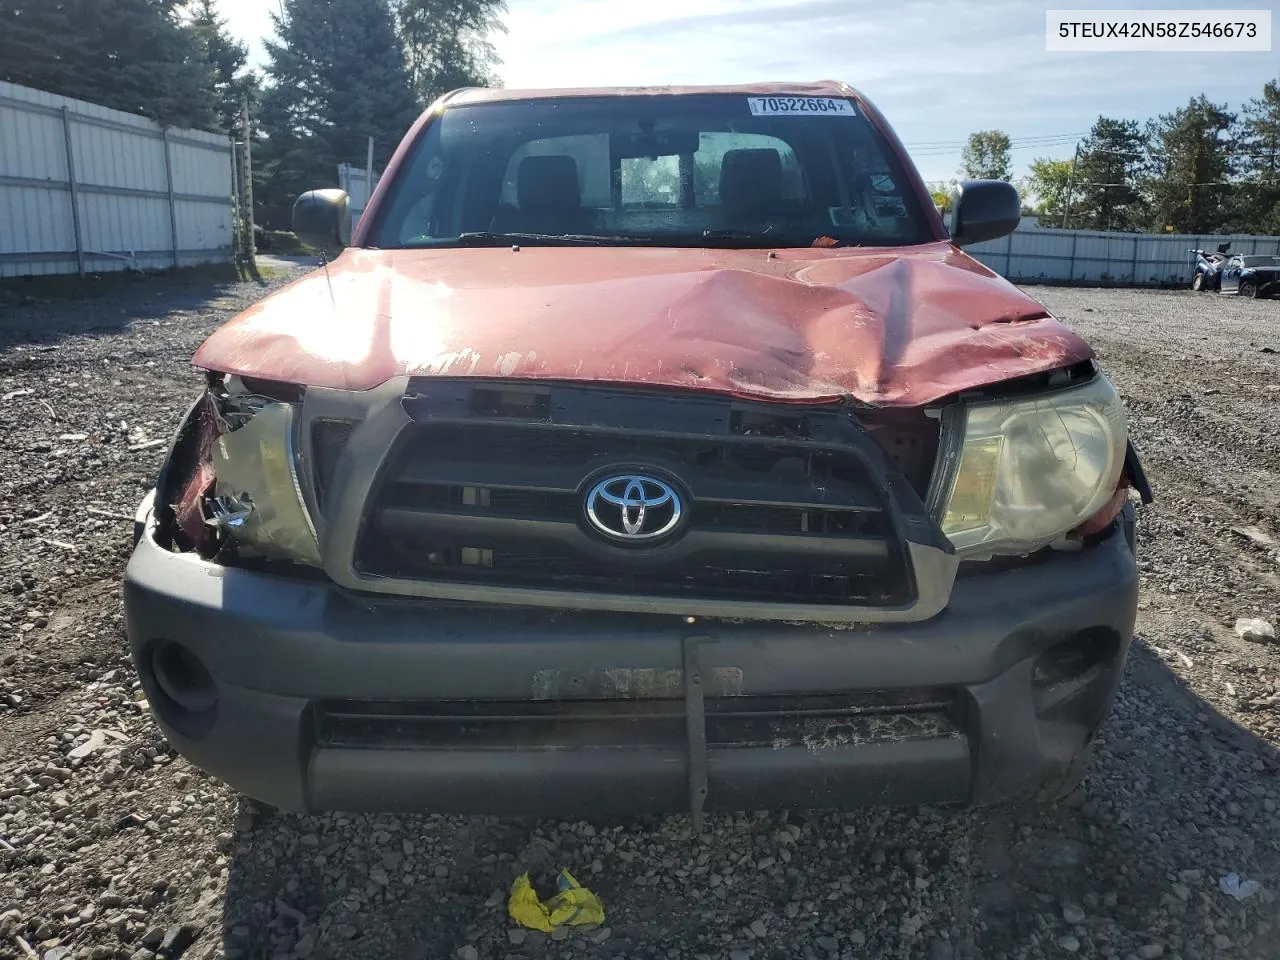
<point>276,647</point>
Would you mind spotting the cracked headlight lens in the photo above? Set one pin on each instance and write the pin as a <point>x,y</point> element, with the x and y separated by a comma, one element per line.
<point>259,502</point>
<point>1031,470</point>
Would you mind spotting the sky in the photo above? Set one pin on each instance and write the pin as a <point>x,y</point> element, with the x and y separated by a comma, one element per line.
<point>937,69</point>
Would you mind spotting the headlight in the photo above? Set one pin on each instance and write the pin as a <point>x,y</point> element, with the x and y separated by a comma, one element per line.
<point>1031,470</point>
<point>258,501</point>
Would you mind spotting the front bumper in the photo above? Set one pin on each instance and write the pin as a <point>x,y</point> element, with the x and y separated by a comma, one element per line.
<point>290,662</point>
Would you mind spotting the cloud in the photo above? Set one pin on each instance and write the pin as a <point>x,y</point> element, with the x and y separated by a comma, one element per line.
<point>807,13</point>
<point>937,69</point>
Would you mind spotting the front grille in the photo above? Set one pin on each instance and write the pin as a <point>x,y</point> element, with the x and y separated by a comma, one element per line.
<point>328,440</point>
<point>768,721</point>
<point>781,506</point>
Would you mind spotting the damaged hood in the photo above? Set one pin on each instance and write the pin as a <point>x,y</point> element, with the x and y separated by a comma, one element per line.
<point>886,326</point>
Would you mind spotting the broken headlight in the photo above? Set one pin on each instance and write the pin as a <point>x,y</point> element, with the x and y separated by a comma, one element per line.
<point>257,501</point>
<point>1028,471</point>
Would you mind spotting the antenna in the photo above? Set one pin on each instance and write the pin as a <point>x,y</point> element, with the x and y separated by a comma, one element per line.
<point>324,262</point>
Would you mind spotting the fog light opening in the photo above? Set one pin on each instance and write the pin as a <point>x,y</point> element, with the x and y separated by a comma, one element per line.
<point>183,679</point>
<point>1070,667</point>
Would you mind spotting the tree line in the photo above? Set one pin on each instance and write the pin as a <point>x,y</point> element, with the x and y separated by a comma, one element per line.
<point>337,71</point>
<point>1202,168</point>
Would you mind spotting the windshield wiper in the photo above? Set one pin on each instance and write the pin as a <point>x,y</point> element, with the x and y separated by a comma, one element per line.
<point>748,238</point>
<point>704,238</point>
<point>482,238</point>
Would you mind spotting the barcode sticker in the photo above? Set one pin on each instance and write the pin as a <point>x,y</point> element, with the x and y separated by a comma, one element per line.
<point>808,106</point>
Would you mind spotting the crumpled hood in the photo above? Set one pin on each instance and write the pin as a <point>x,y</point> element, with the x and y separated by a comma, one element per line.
<point>887,326</point>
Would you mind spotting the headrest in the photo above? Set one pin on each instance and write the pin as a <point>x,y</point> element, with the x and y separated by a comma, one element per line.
<point>751,178</point>
<point>548,185</point>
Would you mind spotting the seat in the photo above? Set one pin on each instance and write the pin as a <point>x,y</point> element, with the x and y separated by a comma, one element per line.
<point>548,197</point>
<point>751,182</point>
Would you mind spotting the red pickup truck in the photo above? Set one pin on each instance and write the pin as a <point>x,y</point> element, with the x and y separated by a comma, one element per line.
<point>642,450</point>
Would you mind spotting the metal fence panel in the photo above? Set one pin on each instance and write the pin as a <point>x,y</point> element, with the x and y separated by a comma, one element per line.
<point>1098,258</point>
<point>135,227</point>
<point>34,220</point>
<point>87,188</point>
<point>116,158</point>
<point>32,144</point>
<point>201,170</point>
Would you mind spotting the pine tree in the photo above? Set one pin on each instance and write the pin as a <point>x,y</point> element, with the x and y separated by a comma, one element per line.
<point>227,58</point>
<point>1189,166</point>
<point>1257,200</point>
<point>338,77</point>
<point>1111,159</point>
<point>447,43</point>
<point>132,55</point>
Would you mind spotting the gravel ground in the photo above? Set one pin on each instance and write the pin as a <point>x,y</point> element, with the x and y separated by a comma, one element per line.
<point>112,846</point>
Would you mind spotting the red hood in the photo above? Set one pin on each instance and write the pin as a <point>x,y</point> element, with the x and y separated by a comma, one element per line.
<point>887,326</point>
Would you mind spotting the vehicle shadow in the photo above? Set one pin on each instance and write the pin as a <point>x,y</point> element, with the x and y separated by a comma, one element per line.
<point>1178,795</point>
<point>41,311</point>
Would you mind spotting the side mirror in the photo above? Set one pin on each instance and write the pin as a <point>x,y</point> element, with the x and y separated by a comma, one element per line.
<point>322,219</point>
<point>983,210</point>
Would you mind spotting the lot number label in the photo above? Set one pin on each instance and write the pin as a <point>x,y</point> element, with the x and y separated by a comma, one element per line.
<point>786,106</point>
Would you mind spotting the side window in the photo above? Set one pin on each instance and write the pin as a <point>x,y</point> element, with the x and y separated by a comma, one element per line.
<point>876,200</point>
<point>417,223</point>
<point>886,197</point>
<point>589,151</point>
<point>712,146</point>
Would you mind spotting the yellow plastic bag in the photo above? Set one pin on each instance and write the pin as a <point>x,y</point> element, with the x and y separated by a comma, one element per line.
<point>573,905</point>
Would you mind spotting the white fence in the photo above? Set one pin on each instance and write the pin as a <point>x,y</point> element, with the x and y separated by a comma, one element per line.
<point>87,189</point>
<point>1084,258</point>
<point>355,181</point>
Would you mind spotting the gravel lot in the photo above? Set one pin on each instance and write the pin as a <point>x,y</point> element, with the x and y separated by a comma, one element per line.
<point>111,846</point>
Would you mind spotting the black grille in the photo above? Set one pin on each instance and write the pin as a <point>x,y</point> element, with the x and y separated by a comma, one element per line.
<point>775,721</point>
<point>778,508</point>
<point>328,439</point>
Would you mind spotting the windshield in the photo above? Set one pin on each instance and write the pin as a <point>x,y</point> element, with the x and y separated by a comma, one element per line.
<point>1260,261</point>
<point>707,170</point>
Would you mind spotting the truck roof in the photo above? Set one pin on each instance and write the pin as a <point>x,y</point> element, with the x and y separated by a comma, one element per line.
<point>818,88</point>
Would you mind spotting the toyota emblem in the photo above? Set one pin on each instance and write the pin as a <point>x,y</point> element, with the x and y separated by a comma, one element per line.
<point>634,508</point>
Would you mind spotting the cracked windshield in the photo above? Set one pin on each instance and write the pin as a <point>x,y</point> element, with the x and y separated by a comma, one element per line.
<point>548,479</point>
